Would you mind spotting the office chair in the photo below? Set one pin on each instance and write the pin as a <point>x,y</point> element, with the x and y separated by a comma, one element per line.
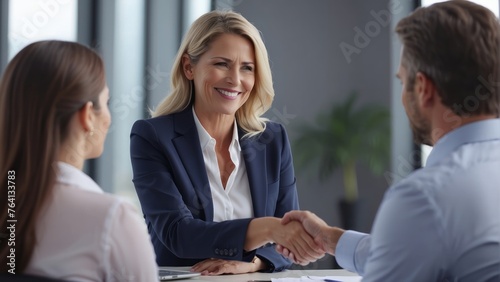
<point>26,278</point>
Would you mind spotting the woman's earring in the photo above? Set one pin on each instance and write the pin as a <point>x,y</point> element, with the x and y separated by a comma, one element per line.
<point>91,132</point>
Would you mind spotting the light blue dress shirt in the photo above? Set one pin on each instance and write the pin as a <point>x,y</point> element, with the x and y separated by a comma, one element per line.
<point>441,223</point>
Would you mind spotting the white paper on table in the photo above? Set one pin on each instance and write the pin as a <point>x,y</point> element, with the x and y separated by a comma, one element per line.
<point>319,279</point>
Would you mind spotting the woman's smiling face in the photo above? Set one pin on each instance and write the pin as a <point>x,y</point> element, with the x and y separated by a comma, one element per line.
<point>224,76</point>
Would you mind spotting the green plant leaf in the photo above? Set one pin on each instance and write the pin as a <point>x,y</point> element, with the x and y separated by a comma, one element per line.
<point>343,136</point>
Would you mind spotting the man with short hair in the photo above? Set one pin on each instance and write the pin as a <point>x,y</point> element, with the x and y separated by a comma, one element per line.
<point>441,223</point>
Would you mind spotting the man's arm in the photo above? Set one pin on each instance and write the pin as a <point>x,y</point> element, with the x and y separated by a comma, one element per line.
<point>407,241</point>
<point>351,248</point>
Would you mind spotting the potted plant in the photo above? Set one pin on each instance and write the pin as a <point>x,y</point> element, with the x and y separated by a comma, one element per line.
<point>341,138</point>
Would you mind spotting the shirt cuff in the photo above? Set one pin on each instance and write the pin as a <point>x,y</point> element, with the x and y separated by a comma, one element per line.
<point>345,252</point>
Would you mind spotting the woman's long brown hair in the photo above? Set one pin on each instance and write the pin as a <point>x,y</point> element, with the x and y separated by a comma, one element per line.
<point>43,86</point>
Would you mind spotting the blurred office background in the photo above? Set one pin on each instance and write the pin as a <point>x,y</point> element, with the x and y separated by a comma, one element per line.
<point>320,51</point>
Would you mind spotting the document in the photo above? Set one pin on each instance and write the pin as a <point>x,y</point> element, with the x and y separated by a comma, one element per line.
<point>319,278</point>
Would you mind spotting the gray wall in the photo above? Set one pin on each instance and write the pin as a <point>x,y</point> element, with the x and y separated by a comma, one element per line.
<point>311,72</point>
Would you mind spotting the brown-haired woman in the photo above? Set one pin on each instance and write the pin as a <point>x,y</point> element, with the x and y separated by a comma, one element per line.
<point>54,115</point>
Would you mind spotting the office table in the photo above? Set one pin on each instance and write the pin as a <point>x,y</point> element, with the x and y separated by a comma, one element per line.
<point>266,276</point>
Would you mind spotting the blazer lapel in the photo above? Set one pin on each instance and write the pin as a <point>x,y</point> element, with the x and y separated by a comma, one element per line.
<point>254,154</point>
<point>188,147</point>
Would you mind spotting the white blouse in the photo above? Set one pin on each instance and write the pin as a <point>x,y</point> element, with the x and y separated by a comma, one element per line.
<point>84,234</point>
<point>234,201</point>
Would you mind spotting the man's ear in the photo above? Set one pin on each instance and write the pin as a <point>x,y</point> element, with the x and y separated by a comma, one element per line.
<point>187,67</point>
<point>425,90</point>
<point>86,117</point>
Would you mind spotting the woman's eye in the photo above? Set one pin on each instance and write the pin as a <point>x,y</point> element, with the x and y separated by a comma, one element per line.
<point>248,68</point>
<point>222,64</point>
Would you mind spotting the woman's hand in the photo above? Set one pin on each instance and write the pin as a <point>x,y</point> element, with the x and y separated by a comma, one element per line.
<point>292,236</point>
<point>301,247</point>
<point>325,236</point>
<point>219,266</point>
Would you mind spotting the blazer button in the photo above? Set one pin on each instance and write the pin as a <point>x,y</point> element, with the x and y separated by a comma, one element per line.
<point>226,252</point>
<point>231,252</point>
<point>216,251</point>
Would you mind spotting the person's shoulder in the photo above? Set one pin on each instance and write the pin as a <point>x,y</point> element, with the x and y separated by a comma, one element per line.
<point>430,182</point>
<point>86,201</point>
<point>420,175</point>
<point>273,135</point>
<point>272,131</point>
<point>457,166</point>
<point>272,126</point>
<point>164,122</point>
<point>155,121</point>
<point>153,126</point>
<point>106,204</point>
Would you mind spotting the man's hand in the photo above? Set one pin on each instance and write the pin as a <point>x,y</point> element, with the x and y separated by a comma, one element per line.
<point>219,266</point>
<point>324,235</point>
<point>295,238</point>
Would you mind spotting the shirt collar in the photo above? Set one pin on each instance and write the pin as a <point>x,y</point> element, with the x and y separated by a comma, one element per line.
<point>72,176</point>
<point>205,137</point>
<point>478,131</point>
<point>236,141</point>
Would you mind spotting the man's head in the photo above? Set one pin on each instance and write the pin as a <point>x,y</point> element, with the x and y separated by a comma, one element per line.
<point>453,48</point>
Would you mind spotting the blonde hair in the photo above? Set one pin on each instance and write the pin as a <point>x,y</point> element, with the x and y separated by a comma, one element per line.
<point>196,42</point>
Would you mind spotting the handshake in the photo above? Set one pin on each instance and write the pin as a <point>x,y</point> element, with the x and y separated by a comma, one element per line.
<point>303,237</point>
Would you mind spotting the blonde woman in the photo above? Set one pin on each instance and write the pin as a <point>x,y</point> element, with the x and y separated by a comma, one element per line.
<point>211,173</point>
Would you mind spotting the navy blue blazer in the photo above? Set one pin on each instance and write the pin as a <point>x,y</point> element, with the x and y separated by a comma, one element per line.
<point>172,185</point>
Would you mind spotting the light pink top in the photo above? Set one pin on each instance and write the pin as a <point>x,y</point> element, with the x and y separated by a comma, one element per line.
<point>87,235</point>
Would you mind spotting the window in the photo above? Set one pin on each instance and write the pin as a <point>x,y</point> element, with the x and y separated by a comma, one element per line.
<point>34,20</point>
<point>192,10</point>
